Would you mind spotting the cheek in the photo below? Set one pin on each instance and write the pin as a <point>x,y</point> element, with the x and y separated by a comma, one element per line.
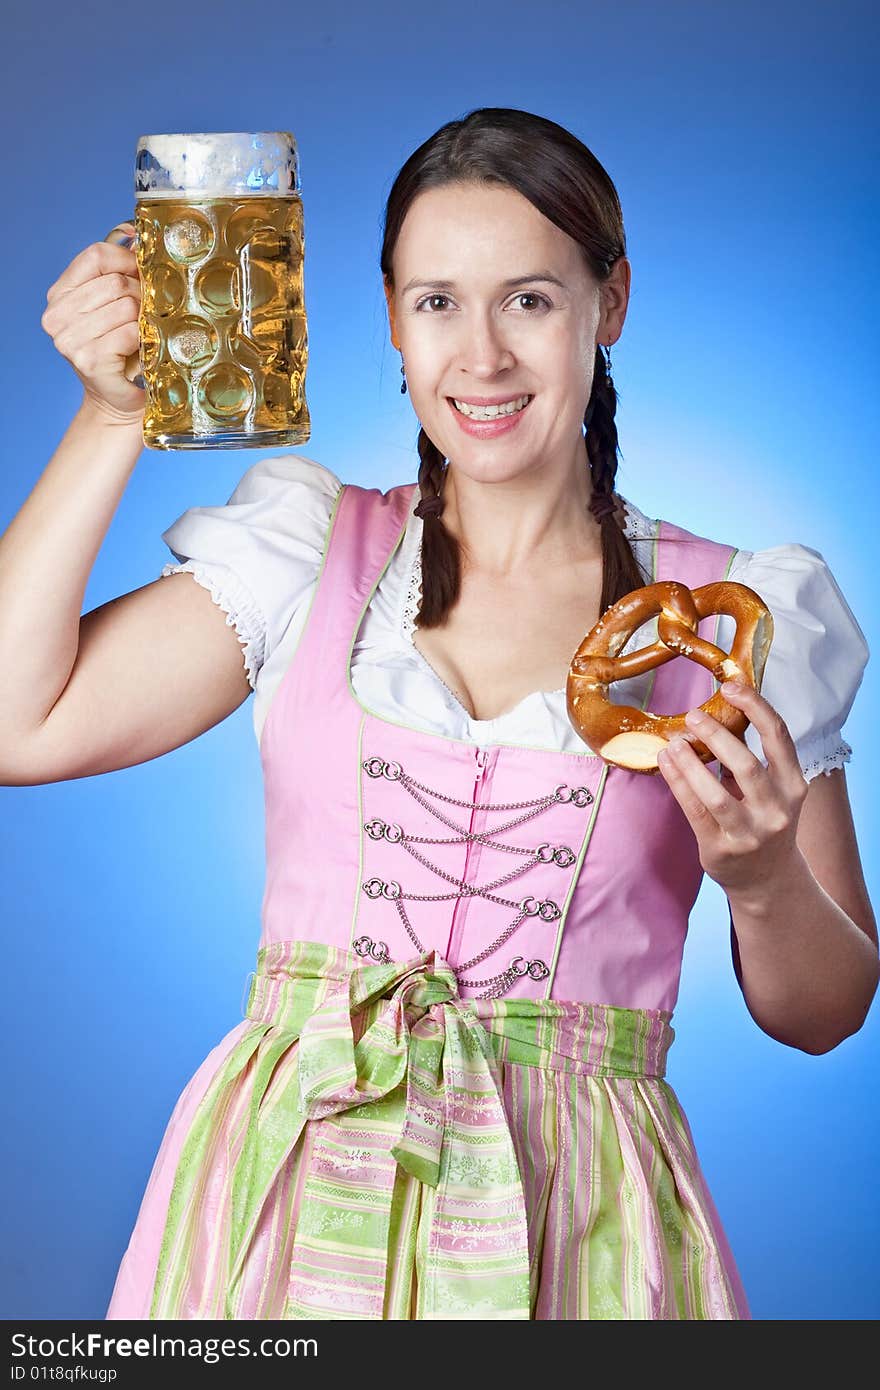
<point>426,365</point>
<point>568,393</point>
<point>566,365</point>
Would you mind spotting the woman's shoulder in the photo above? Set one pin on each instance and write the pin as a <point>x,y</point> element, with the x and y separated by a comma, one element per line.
<point>287,496</point>
<point>818,654</point>
<point>663,529</point>
<point>260,552</point>
<point>804,595</point>
<point>789,568</point>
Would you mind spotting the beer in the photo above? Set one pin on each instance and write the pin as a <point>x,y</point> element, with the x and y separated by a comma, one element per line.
<point>223,330</point>
<point>222,326</point>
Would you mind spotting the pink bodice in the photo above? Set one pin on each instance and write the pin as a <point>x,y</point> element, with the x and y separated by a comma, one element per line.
<point>601,869</point>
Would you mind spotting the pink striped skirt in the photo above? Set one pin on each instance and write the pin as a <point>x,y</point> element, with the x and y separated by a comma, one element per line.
<point>368,1144</point>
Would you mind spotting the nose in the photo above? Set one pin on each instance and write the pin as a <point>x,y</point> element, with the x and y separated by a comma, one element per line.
<point>484,350</point>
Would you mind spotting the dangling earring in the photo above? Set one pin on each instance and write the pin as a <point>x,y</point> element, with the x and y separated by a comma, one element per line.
<point>606,347</point>
<point>403,383</point>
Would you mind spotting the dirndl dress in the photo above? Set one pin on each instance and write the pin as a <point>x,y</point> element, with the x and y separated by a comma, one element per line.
<point>447,1097</point>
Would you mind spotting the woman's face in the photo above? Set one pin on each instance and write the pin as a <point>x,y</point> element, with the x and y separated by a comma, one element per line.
<point>492,300</point>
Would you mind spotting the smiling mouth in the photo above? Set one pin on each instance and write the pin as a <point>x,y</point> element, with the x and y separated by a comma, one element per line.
<point>502,411</point>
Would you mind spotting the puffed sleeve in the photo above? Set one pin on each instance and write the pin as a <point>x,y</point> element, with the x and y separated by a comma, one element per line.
<point>818,655</point>
<point>260,553</point>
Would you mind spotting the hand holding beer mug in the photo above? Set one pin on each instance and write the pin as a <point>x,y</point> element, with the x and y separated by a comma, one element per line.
<point>219,244</point>
<point>91,315</point>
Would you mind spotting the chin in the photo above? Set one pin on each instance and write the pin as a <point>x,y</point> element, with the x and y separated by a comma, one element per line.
<point>494,470</point>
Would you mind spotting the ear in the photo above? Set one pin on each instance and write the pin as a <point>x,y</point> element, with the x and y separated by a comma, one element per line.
<point>615,301</point>
<point>389,299</point>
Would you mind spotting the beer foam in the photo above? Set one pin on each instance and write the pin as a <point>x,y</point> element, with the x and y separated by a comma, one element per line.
<point>218,164</point>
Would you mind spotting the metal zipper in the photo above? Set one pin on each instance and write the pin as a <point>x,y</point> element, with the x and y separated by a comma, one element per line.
<point>481,755</point>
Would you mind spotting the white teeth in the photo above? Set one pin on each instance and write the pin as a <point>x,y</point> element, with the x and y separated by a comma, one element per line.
<point>491,412</point>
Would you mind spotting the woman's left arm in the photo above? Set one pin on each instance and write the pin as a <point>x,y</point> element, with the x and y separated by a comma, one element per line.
<point>785,852</point>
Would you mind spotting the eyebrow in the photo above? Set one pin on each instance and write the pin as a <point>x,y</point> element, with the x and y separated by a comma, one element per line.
<point>543,275</point>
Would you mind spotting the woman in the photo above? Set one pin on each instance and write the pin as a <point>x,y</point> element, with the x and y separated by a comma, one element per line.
<point>447,1096</point>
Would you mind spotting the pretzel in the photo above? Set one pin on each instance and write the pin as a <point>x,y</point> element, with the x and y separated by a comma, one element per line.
<point>631,738</point>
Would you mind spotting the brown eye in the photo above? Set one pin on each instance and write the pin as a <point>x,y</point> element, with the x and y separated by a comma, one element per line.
<point>538,299</point>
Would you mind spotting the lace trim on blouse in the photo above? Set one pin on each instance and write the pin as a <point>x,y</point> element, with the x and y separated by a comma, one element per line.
<point>240,609</point>
<point>826,763</point>
<point>413,595</point>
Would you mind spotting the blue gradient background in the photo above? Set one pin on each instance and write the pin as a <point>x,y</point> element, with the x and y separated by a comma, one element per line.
<point>740,138</point>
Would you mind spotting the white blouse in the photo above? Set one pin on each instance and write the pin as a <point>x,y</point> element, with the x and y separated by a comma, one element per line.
<point>259,556</point>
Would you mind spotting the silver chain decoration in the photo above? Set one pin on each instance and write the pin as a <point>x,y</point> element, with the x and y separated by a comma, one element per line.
<point>549,911</point>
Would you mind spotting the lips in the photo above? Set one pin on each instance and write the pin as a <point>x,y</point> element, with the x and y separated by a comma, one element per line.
<point>488,429</point>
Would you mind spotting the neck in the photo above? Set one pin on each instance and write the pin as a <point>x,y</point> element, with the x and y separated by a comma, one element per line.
<point>518,525</point>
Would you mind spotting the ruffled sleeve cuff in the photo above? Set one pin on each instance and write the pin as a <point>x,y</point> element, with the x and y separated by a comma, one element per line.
<point>238,604</point>
<point>260,553</point>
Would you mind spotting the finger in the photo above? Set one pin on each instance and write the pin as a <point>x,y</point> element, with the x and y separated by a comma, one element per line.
<point>122,235</point>
<point>704,800</point>
<point>694,810</point>
<point>732,753</point>
<point>776,739</point>
<point>85,298</point>
<point>88,329</point>
<point>101,258</point>
<point>118,343</point>
<point>728,781</point>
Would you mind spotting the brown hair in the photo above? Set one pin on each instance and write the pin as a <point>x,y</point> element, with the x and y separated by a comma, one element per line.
<point>564,181</point>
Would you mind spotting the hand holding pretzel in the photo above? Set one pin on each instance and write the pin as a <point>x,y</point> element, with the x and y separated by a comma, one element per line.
<point>745,822</point>
<point>630,737</point>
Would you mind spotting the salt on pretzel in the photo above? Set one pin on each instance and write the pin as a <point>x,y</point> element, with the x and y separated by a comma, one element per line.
<point>631,738</point>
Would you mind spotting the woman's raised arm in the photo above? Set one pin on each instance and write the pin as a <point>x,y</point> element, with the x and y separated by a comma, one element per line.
<point>147,671</point>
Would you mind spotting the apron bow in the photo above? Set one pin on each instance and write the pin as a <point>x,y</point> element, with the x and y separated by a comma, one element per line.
<point>423,1068</point>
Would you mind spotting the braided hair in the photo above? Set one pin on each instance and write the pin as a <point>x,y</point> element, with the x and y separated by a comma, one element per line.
<point>563,179</point>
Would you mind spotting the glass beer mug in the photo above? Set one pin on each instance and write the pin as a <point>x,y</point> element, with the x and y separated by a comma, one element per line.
<point>219,244</point>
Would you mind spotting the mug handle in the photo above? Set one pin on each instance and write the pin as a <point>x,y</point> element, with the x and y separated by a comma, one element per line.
<point>125,234</point>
